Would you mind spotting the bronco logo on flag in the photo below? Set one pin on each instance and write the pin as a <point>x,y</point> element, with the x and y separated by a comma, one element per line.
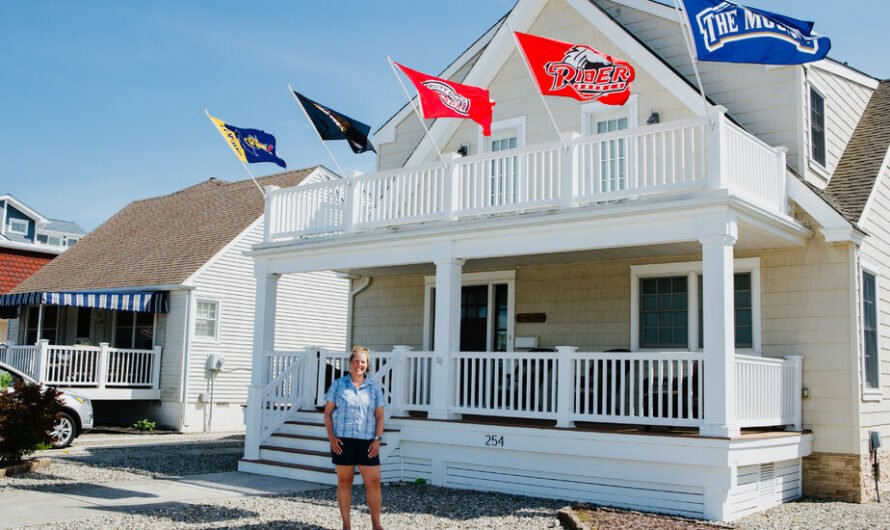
<point>729,32</point>
<point>576,70</point>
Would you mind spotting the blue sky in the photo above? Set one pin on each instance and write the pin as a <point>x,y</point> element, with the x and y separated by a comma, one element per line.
<point>102,103</point>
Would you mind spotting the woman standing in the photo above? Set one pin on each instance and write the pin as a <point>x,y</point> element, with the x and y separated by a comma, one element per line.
<point>353,416</point>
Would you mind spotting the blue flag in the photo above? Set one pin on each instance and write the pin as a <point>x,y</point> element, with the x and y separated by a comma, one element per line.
<point>249,145</point>
<point>728,32</point>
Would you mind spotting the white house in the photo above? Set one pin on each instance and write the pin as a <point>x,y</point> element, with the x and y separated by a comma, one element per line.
<point>151,314</point>
<point>672,306</point>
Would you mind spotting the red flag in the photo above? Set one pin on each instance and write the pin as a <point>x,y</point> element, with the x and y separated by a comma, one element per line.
<point>576,70</point>
<point>441,98</point>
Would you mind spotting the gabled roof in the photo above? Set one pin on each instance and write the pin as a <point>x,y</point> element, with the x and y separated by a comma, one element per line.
<point>854,178</point>
<point>24,208</point>
<point>160,241</point>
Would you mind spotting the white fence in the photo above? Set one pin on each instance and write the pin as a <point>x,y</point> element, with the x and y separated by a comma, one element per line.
<point>86,366</point>
<point>768,391</point>
<point>626,164</point>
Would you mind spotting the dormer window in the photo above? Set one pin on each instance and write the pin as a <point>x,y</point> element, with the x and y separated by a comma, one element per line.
<point>817,127</point>
<point>18,226</point>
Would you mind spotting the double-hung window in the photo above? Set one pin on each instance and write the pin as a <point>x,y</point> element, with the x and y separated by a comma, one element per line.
<point>871,362</point>
<point>18,226</point>
<point>206,319</point>
<point>817,127</point>
<point>134,329</point>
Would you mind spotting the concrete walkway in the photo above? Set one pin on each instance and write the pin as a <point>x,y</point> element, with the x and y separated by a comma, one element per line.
<point>22,508</point>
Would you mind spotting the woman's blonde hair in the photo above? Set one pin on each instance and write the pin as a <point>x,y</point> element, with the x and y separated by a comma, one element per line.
<point>361,349</point>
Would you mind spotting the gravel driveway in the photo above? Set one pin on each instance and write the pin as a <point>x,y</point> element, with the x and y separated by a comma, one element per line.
<point>93,461</point>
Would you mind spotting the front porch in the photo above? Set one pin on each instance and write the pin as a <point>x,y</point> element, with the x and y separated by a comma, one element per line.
<point>98,372</point>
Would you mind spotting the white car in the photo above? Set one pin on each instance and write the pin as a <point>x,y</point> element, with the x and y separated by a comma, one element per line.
<point>77,411</point>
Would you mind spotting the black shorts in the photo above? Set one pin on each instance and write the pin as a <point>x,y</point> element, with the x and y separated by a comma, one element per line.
<point>355,453</point>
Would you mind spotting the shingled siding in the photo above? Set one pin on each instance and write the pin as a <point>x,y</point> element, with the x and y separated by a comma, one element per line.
<point>805,306</point>
<point>875,415</point>
<point>311,311</point>
<point>389,312</point>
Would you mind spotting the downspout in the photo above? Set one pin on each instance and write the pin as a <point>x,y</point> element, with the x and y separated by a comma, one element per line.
<point>186,343</point>
<point>357,284</point>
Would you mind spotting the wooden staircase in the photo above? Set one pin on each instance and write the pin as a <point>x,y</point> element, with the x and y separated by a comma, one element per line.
<point>299,450</point>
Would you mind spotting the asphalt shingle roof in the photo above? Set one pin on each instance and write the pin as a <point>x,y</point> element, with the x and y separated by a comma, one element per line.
<point>854,178</point>
<point>159,241</point>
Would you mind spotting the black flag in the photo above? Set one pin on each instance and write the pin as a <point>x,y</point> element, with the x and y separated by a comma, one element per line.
<point>331,125</point>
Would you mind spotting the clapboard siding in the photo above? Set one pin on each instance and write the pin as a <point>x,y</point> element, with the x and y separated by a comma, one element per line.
<point>173,346</point>
<point>311,307</point>
<point>876,250</point>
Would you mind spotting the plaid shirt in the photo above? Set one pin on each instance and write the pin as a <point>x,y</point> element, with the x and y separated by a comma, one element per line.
<point>354,413</point>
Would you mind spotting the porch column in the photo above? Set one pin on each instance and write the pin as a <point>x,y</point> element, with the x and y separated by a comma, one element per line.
<point>263,341</point>
<point>717,235</point>
<point>447,340</point>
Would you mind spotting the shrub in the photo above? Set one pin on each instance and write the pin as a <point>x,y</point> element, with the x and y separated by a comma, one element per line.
<point>27,416</point>
<point>145,425</point>
<point>5,380</point>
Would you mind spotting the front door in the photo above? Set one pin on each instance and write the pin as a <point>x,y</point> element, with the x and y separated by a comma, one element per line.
<point>474,318</point>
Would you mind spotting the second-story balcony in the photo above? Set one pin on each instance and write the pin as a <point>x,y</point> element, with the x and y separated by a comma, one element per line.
<point>579,171</point>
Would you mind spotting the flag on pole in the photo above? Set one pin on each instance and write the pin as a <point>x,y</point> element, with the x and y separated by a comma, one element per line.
<point>331,125</point>
<point>250,145</point>
<point>441,98</point>
<point>729,32</point>
<point>576,70</point>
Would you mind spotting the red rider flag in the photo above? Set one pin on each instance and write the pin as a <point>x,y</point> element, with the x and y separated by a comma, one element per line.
<point>576,70</point>
<point>441,98</point>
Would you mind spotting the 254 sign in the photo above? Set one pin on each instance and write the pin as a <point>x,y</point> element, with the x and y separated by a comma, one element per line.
<point>494,440</point>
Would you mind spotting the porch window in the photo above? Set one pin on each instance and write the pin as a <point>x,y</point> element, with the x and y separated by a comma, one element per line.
<point>870,331</point>
<point>206,319</point>
<point>742,299</point>
<point>50,324</point>
<point>134,329</point>
<point>613,159</point>
<point>817,127</point>
<point>663,313</point>
<point>667,302</point>
<point>503,172</point>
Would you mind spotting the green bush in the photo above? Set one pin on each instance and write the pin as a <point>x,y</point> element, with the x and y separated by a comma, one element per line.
<point>145,425</point>
<point>5,380</point>
<point>27,415</point>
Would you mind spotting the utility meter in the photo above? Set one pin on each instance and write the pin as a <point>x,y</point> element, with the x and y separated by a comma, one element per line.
<point>215,362</point>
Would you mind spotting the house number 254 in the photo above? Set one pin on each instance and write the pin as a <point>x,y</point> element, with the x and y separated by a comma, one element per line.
<point>493,440</point>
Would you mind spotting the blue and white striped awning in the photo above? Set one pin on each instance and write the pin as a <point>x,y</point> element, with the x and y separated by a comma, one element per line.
<point>143,301</point>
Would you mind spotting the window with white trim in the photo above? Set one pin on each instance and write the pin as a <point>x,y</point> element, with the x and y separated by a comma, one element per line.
<point>206,319</point>
<point>667,309</point>
<point>871,361</point>
<point>18,226</point>
<point>503,172</point>
<point>599,119</point>
<point>817,126</point>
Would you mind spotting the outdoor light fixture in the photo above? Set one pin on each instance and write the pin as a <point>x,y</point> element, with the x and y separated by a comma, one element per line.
<point>653,118</point>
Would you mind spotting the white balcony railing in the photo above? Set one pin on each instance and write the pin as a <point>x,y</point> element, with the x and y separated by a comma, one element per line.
<point>658,159</point>
<point>86,366</point>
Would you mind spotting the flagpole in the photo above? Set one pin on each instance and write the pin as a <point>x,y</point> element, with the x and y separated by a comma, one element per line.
<point>416,110</point>
<point>314,128</point>
<point>531,74</point>
<point>263,192</point>
<point>686,37</point>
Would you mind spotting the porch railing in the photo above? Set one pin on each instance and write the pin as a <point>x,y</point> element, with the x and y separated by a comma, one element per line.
<point>291,374</point>
<point>86,366</point>
<point>640,388</point>
<point>656,159</point>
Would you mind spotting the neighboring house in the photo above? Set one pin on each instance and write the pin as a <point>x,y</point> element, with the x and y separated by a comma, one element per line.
<point>21,224</point>
<point>28,241</point>
<point>683,311</point>
<point>151,315</point>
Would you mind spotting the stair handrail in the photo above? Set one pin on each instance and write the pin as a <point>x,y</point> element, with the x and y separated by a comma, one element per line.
<point>274,412</point>
<point>377,375</point>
